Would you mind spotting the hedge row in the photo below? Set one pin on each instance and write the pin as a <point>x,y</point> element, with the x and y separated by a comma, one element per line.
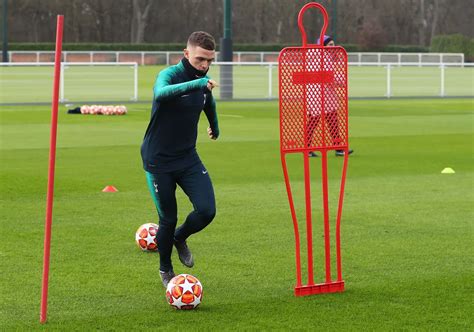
<point>95,47</point>
<point>456,43</point>
<point>179,47</point>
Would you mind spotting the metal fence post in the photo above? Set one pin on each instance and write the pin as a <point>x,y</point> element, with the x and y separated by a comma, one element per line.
<point>135,79</point>
<point>389,87</point>
<point>270,81</point>
<point>61,85</point>
<point>442,91</point>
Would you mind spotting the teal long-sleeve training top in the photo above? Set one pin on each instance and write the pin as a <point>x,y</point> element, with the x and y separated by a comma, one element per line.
<point>179,97</point>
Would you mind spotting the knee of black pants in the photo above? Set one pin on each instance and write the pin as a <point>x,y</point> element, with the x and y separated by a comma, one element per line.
<point>168,224</point>
<point>207,213</point>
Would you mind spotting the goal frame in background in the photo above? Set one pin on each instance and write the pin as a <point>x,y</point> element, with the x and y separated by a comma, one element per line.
<point>63,92</point>
<point>65,65</point>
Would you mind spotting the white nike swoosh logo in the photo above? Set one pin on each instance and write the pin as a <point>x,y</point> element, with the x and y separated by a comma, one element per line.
<point>204,172</point>
<point>183,96</point>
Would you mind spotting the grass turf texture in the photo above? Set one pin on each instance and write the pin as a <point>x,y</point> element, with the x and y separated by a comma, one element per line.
<point>406,228</point>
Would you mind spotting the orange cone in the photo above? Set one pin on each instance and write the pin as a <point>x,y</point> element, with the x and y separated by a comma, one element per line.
<point>109,189</point>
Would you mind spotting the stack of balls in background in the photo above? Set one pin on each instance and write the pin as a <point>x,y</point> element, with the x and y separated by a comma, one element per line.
<point>104,109</point>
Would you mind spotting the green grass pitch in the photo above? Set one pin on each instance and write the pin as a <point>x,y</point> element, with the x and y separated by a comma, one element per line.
<point>406,228</point>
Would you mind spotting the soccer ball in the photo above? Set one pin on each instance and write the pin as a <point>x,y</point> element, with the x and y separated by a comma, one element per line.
<point>146,237</point>
<point>85,109</point>
<point>184,292</point>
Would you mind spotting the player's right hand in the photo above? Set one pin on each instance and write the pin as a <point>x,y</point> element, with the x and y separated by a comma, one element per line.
<point>211,134</point>
<point>211,84</point>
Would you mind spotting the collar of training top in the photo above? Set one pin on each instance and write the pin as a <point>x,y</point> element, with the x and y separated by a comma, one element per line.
<point>191,71</point>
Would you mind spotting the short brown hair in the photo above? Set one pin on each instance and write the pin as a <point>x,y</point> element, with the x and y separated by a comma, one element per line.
<point>202,39</point>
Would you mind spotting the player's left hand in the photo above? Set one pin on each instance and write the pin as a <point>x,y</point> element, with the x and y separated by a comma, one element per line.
<point>210,133</point>
<point>211,84</point>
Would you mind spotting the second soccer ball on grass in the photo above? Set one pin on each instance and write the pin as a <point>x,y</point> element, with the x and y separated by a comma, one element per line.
<point>145,237</point>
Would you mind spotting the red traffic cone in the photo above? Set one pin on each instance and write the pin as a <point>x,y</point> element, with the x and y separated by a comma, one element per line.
<point>109,189</point>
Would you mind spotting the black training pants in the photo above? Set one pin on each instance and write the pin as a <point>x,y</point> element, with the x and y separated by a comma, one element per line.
<point>197,185</point>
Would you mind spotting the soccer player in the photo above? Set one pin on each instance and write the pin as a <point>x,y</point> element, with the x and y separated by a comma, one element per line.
<point>332,114</point>
<point>169,153</point>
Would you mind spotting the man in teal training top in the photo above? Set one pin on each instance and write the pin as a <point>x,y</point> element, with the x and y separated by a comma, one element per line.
<point>169,153</point>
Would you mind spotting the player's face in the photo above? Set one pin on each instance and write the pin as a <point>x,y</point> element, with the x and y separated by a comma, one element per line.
<point>331,43</point>
<point>199,57</point>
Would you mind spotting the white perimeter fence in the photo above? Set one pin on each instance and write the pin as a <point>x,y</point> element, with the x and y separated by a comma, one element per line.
<point>120,82</point>
<point>167,58</point>
<point>366,80</point>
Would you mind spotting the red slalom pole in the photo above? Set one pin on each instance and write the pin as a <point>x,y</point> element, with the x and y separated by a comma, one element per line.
<point>52,162</point>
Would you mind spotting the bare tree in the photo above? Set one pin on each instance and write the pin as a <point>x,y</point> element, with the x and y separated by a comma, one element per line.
<point>254,21</point>
<point>141,9</point>
<point>434,25</point>
<point>422,23</point>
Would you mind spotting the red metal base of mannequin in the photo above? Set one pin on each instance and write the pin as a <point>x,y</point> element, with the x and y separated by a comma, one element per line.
<point>332,287</point>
